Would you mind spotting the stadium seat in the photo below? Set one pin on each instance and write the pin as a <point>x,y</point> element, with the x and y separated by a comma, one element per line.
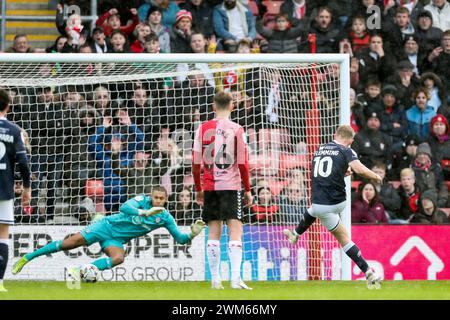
<point>252,140</point>
<point>355,184</point>
<point>188,180</point>
<point>273,7</point>
<point>273,139</point>
<point>446,211</point>
<point>95,189</point>
<point>253,7</point>
<point>291,161</point>
<point>265,163</point>
<point>277,185</point>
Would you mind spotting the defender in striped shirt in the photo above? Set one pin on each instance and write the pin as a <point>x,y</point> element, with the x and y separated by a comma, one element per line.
<point>220,148</point>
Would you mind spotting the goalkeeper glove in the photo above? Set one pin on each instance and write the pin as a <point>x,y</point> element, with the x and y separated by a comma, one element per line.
<point>197,227</point>
<point>151,212</point>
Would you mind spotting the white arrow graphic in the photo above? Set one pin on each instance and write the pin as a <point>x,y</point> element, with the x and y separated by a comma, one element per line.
<point>436,264</point>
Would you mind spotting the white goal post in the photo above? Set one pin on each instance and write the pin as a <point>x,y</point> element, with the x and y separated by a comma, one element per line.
<point>317,84</point>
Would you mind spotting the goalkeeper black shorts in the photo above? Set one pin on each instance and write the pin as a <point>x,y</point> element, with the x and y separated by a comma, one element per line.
<point>222,205</point>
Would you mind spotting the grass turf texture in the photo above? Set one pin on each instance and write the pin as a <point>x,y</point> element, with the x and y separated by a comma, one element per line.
<point>292,290</point>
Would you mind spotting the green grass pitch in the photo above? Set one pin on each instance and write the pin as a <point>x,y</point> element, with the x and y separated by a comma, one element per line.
<point>292,290</point>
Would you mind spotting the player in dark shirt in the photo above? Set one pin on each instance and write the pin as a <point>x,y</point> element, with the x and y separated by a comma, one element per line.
<point>12,151</point>
<point>331,163</point>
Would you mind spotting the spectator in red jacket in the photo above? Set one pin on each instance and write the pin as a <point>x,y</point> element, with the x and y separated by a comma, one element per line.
<point>440,143</point>
<point>110,21</point>
<point>368,207</point>
<point>263,210</point>
<point>143,30</point>
<point>359,36</point>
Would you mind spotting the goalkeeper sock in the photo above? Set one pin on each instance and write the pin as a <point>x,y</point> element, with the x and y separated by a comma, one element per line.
<point>213,252</point>
<point>3,257</point>
<point>352,250</point>
<point>306,221</point>
<point>103,263</point>
<point>235,254</point>
<point>52,247</point>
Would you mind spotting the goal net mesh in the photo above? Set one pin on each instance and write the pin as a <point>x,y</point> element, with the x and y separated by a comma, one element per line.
<point>100,133</point>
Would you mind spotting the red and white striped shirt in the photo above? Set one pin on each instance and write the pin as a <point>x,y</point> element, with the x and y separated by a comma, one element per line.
<point>220,146</point>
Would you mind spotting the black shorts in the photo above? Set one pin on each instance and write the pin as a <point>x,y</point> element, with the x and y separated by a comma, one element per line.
<point>222,205</point>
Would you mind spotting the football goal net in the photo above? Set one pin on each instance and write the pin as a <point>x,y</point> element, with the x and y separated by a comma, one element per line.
<point>101,129</point>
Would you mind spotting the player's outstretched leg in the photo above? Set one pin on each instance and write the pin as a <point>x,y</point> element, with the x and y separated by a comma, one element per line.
<point>352,250</point>
<point>306,220</point>
<point>72,242</point>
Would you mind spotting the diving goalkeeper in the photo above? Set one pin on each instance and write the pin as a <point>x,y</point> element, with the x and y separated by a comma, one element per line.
<point>138,216</point>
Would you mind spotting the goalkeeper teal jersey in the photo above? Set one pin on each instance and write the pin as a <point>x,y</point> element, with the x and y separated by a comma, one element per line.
<point>127,224</point>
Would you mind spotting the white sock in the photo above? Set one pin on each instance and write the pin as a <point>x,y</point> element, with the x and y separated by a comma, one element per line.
<point>213,253</point>
<point>235,254</point>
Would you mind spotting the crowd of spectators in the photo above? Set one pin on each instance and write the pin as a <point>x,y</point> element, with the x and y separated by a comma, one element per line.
<point>400,96</point>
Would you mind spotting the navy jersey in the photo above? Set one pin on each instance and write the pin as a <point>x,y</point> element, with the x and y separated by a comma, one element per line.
<point>330,163</point>
<point>12,150</point>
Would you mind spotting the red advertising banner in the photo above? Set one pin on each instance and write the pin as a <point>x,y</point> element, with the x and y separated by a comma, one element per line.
<point>420,252</point>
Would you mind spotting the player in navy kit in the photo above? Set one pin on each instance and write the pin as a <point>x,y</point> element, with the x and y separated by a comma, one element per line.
<point>331,163</point>
<point>12,151</point>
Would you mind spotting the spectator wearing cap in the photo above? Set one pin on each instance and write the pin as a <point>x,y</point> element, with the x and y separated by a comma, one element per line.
<point>110,21</point>
<point>440,143</point>
<point>435,87</point>
<point>371,144</point>
<point>429,37</point>
<point>375,62</point>
<point>429,175</point>
<point>396,32</point>
<point>406,83</point>
<point>326,31</point>
<point>439,60</point>
<point>233,21</point>
<point>440,9</point>
<point>181,32</point>
<point>404,156</point>
<point>413,53</point>
<point>98,41</point>
<point>420,114</point>
<point>393,118</point>
<point>429,212</point>
<point>154,20</point>
<point>168,9</point>
<point>201,16</point>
